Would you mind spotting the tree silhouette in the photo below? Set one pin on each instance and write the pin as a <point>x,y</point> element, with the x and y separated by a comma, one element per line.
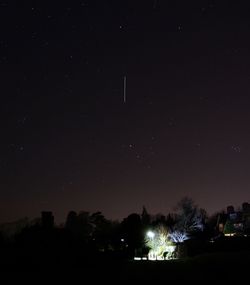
<point>189,216</point>
<point>145,217</point>
<point>229,227</point>
<point>133,233</point>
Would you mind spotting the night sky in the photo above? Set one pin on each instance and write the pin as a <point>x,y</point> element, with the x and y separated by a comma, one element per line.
<point>69,141</point>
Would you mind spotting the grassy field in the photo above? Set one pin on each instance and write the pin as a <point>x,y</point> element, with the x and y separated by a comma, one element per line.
<point>224,268</point>
<point>213,268</point>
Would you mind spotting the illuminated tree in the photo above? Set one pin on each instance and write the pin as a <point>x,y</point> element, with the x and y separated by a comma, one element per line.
<point>159,243</point>
<point>189,216</point>
<point>178,237</point>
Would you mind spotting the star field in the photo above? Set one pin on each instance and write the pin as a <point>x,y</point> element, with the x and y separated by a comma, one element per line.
<point>70,142</point>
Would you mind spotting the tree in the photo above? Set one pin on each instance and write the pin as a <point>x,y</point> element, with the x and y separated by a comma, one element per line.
<point>145,217</point>
<point>178,237</point>
<point>189,216</point>
<point>229,228</point>
<point>79,225</point>
<point>170,221</point>
<point>101,231</point>
<point>71,221</point>
<point>159,243</point>
<point>133,233</point>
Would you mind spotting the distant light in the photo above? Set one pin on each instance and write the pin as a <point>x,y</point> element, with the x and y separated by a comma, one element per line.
<point>122,239</point>
<point>230,235</point>
<point>137,258</point>
<point>150,234</point>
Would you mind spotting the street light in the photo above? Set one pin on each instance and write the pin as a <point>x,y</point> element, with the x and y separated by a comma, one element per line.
<point>150,234</point>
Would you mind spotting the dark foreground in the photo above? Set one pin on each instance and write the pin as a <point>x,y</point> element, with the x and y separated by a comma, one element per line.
<point>44,267</point>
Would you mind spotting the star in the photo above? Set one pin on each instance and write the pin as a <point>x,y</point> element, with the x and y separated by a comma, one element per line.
<point>236,148</point>
<point>180,28</point>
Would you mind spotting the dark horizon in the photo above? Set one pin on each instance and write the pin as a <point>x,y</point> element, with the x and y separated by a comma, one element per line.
<point>60,219</point>
<point>69,140</point>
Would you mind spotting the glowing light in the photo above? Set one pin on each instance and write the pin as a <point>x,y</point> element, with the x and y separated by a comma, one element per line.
<point>230,235</point>
<point>159,258</point>
<point>170,249</point>
<point>151,234</point>
<point>161,247</point>
<point>152,255</point>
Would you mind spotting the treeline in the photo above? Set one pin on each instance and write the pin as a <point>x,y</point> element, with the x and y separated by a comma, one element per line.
<point>93,234</point>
